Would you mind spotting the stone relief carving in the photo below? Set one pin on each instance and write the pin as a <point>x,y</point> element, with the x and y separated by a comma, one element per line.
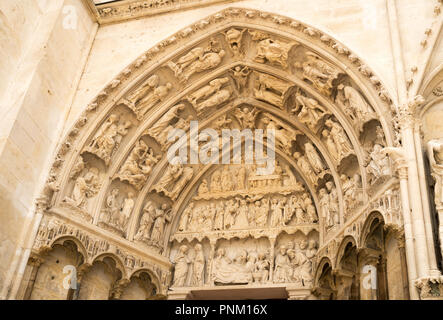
<point>240,74</point>
<point>337,141</point>
<point>174,180</point>
<point>271,89</point>
<point>355,106</point>
<point>108,138</point>
<point>197,60</point>
<point>284,137</point>
<point>234,39</point>
<point>86,186</point>
<point>234,182</point>
<point>211,95</point>
<point>378,164</point>
<point>115,216</point>
<point>139,165</point>
<point>160,130</point>
<point>309,111</point>
<point>271,50</point>
<point>246,117</point>
<point>328,198</point>
<point>319,72</point>
<point>352,192</point>
<point>151,229</point>
<point>251,264</point>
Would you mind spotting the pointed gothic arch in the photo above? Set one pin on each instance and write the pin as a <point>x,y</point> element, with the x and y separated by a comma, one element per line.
<point>284,66</point>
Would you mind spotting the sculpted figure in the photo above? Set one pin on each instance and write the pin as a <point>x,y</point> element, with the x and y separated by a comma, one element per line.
<point>230,214</point>
<point>350,190</point>
<point>282,266</point>
<point>262,267</point>
<point>309,111</point>
<point>216,100</point>
<point>135,96</point>
<point>242,221</point>
<point>351,99</point>
<point>314,159</point>
<point>181,262</point>
<point>126,210</point>
<point>157,96</point>
<point>305,270</point>
<point>234,39</point>
<point>271,89</point>
<point>333,218</point>
<point>246,117</point>
<point>164,122</point>
<point>219,217</point>
<point>226,179</point>
<point>310,209</point>
<point>283,137</point>
<point>240,75</point>
<point>305,167</point>
<point>85,187</point>
<point>273,51</point>
<point>216,181</point>
<point>162,216</point>
<point>241,178</point>
<point>106,139</point>
<point>186,217</point>
<point>187,175</point>
<point>174,179</point>
<point>146,222</point>
<point>196,61</point>
<point>261,213</point>
<point>138,166</point>
<point>221,123</point>
<point>435,155</point>
<point>111,207</point>
<point>207,91</point>
<point>277,211</point>
<point>181,124</point>
<point>199,266</point>
<point>318,72</point>
<point>324,205</point>
<point>378,164</point>
<point>203,188</point>
<point>330,145</point>
<point>341,141</point>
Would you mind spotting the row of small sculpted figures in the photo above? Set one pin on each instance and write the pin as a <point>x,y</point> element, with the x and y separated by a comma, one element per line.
<point>237,214</point>
<point>292,264</point>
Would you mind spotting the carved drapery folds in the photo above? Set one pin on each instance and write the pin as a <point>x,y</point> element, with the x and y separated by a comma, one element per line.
<point>236,78</point>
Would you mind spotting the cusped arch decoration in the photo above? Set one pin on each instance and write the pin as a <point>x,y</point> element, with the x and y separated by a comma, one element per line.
<point>109,172</point>
<point>119,265</point>
<point>342,248</point>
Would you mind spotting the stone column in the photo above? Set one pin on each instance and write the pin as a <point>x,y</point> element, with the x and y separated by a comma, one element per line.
<point>81,271</point>
<point>404,268</point>
<point>34,264</point>
<point>209,280</point>
<point>369,266</point>
<point>397,155</point>
<point>117,289</point>
<point>418,226</point>
<point>433,269</point>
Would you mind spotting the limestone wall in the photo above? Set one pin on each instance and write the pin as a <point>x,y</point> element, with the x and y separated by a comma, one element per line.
<point>46,45</point>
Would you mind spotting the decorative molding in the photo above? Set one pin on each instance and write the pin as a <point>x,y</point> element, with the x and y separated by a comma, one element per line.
<point>132,9</point>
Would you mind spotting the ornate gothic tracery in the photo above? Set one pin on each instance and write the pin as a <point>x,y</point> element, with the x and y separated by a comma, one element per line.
<point>111,186</point>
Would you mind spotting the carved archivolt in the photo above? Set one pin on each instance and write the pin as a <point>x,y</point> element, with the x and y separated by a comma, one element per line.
<point>238,69</point>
